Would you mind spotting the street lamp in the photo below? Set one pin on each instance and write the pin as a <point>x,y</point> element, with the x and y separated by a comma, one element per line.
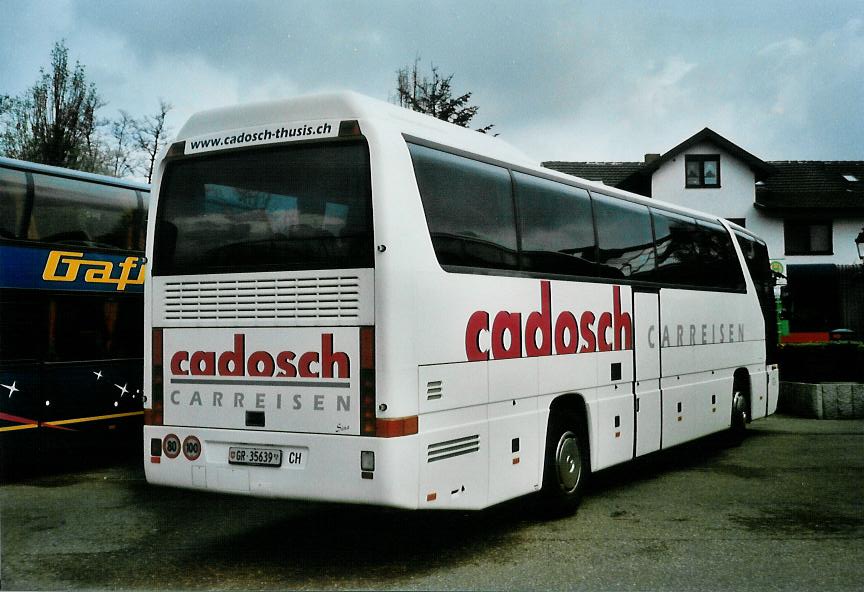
<point>859,244</point>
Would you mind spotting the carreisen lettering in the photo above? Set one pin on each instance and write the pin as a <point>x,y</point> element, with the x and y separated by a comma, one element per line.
<point>341,403</point>
<point>693,334</point>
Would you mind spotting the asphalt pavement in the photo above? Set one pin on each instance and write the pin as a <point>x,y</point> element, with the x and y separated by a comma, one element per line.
<point>782,511</point>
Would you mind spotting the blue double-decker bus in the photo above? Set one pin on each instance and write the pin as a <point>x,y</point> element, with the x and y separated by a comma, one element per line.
<point>72,271</point>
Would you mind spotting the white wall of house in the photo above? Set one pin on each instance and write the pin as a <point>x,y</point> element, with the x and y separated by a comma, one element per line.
<point>770,229</point>
<point>735,198</point>
<point>844,231</point>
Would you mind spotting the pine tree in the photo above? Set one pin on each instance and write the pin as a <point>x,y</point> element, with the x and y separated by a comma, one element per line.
<point>434,96</point>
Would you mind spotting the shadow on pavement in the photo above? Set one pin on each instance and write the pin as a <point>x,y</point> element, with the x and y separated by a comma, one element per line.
<point>42,454</point>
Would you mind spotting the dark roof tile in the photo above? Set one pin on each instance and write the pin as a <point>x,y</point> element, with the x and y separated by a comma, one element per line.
<point>610,173</point>
<point>813,184</point>
<point>801,184</point>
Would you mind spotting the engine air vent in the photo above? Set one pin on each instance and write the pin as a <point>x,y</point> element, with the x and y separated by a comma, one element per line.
<point>335,297</point>
<point>434,390</point>
<point>451,448</point>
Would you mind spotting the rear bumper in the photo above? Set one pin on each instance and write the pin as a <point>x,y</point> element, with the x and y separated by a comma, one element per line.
<point>330,470</point>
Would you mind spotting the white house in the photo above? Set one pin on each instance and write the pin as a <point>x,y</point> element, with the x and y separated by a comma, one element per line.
<point>809,212</point>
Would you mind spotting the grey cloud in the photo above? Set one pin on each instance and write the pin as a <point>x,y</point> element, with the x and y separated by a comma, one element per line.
<point>562,80</point>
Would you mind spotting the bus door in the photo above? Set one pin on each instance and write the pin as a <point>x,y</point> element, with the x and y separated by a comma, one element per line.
<point>646,318</point>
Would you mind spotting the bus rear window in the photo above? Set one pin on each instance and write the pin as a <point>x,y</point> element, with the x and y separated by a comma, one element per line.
<point>268,209</point>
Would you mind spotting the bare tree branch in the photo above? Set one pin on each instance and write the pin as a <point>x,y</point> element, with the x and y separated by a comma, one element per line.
<point>123,156</point>
<point>151,135</point>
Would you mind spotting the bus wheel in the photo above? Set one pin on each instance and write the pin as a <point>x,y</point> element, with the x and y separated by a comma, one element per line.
<point>567,466</point>
<point>739,416</point>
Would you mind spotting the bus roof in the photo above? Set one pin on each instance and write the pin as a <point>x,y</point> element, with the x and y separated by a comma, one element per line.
<point>347,105</point>
<point>35,167</point>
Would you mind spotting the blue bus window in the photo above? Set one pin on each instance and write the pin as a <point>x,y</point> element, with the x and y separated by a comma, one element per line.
<point>73,212</point>
<point>13,202</point>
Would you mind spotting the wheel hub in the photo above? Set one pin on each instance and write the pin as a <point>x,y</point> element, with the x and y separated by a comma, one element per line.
<point>569,462</point>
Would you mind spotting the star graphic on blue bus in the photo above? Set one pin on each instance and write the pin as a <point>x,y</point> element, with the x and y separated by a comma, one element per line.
<point>12,388</point>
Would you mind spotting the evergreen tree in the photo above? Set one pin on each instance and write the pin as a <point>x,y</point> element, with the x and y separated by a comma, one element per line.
<point>434,96</point>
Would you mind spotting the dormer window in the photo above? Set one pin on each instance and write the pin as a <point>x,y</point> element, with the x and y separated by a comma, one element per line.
<point>702,170</point>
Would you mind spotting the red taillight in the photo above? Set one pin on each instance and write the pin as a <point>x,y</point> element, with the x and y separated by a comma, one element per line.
<point>153,416</point>
<point>370,424</point>
<point>392,428</point>
<point>367,381</point>
<point>367,348</point>
<point>156,345</point>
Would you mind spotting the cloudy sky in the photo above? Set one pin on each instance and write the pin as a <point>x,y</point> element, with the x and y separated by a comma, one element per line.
<point>560,80</point>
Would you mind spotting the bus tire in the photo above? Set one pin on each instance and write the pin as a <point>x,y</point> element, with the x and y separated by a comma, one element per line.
<point>567,465</point>
<point>740,416</point>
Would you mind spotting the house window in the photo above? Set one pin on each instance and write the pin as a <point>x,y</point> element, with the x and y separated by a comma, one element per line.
<point>702,170</point>
<point>808,238</point>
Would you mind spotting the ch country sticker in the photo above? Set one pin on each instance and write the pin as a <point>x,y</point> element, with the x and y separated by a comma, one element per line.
<point>65,266</point>
<point>540,335</point>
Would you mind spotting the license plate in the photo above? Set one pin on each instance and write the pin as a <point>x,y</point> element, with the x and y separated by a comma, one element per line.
<point>243,455</point>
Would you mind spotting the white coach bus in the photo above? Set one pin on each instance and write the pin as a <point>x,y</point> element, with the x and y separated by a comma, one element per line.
<point>357,303</point>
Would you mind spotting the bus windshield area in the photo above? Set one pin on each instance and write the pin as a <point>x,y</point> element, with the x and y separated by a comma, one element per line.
<point>267,209</point>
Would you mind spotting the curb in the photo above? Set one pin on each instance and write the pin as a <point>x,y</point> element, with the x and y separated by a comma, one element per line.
<point>826,400</point>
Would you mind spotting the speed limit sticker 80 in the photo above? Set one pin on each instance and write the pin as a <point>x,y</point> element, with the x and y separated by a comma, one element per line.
<point>171,446</point>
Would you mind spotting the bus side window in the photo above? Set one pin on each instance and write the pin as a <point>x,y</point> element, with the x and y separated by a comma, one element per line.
<point>91,327</point>
<point>678,258</point>
<point>469,209</point>
<point>758,264</point>
<point>720,263</point>
<point>625,242</point>
<point>695,253</point>
<point>557,227</point>
<point>13,202</point>
<point>139,231</point>
<point>73,212</point>
<point>23,326</point>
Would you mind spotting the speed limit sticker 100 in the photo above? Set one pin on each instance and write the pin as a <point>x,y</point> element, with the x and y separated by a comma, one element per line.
<point>191,448</point>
